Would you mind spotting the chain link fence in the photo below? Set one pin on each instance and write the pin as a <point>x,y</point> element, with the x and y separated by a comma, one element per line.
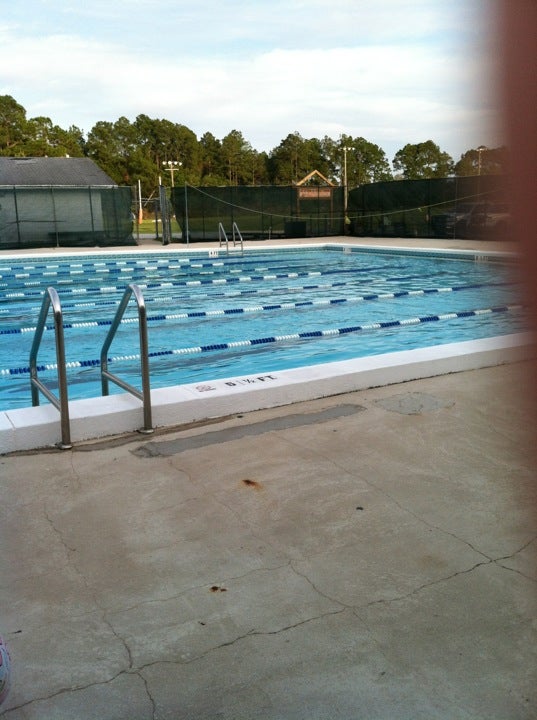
<point>260,212</point>
<point>468,207</point>
<point>55,216</point>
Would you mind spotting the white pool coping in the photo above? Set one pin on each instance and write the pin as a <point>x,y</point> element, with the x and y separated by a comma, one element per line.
<point>100,417</point>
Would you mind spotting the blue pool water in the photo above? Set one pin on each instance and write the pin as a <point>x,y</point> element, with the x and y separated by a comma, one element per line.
<point>216,317</point>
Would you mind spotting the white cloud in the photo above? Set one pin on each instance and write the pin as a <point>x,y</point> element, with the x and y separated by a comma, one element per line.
<point>354,69</point>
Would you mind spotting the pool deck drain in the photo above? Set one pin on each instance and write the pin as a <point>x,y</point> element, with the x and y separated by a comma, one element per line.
<point>413,403</point>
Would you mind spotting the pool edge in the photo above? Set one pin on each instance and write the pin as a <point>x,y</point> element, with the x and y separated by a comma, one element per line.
<point>39,427</point>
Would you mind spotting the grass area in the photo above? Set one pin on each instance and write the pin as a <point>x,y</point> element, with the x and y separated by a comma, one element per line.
<point>147,227</point>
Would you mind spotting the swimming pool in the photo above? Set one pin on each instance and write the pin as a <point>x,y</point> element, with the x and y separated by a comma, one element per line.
<point>214,316</point>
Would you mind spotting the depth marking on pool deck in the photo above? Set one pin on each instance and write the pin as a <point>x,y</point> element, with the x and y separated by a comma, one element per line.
<point>166,448</point>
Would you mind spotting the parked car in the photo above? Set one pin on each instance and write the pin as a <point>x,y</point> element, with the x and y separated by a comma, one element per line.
<point>474,220</point>
<point>454,218</point>
<point>445,224</point>
<point>484,220</point>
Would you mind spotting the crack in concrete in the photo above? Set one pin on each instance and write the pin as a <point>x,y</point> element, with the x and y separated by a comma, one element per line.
<point>91,591</point>
<point>520,549</point>
<point>121,639</point>
<point>172,463</point>
<point>518,572</point>
<point>299,623</point>
<point>417,590</point>
<point>425,586</point>
<point>62,691</point>
<point>250,633</point>
<point>247,525</point>
<point>148,691</point>
<point>312,584</point>
<point>74,470</point>
<point>498,561</point>
<point>396,502</point>
<point>505,433</point>
<point>192,588</point>
<point>59,533</point>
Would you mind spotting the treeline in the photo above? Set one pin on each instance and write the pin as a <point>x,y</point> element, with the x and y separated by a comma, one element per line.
<point>152,150</point>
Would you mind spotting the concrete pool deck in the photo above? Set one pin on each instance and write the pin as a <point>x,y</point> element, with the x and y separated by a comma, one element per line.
<point>365,556</point>
<point>370,555</point>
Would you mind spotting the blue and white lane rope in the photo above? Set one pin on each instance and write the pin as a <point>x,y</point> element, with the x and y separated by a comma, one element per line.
<point>200,296</point>
<point>22,271</point>
<point>244,293</point>
<point>262,308</point>
<point>18,270</point>
<point>314,334</point>
<point>17,294</point>
<point>75,272</point>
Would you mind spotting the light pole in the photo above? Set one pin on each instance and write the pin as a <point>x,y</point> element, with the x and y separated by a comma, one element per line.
<point>173,165</point>
<point>479,151</point>
<point>345,151</point>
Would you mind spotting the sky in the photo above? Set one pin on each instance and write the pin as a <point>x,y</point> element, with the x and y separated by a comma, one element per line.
<point>390,71</point>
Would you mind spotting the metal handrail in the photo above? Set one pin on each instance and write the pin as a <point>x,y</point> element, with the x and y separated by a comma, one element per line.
<point>106,376</point>
<point>222,235</point>
<point>62,403</point>
<point>238,232</point>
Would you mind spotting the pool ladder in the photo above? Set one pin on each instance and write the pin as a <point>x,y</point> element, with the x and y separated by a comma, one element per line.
<point>107,377</point>
<point>61,402</point>
<point>236,237</point>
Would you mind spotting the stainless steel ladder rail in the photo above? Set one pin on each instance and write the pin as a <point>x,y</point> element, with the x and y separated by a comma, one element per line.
<point>222,236</point>
<point>106,376</point>
<point>236,232</point>
<point>61,403</point>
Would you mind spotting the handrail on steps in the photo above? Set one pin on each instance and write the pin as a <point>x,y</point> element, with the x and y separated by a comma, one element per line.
<point>236,231</point>
<point>62,403</point>
<point>106,376</point>
<point>222,237</point>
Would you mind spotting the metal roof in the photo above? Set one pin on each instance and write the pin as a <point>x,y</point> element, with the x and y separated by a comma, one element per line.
<point>65,171</point>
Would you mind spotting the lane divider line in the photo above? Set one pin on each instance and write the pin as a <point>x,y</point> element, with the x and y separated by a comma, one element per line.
<point>331,332</point>
<point>262,308</point>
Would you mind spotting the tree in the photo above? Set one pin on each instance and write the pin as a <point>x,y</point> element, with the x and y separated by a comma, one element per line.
<point>211,168</point>
<point>111,146</point>
<point>483,161</point>
<point>423,160</point>
<point>12,125</point>
<point>259,168</point>
<point>43,138</point>
<point>129,152</point>
<point>237,154</point>
<point>294,158</point>
<point>163,141</point>
<point>366,162</point>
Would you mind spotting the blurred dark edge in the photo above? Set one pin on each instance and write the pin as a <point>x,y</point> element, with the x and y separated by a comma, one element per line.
<point>517,38</point>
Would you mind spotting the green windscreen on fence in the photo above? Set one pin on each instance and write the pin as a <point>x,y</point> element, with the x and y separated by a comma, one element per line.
<point>466,207</point>
<point>55,216</point>
<point>259,211</point>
